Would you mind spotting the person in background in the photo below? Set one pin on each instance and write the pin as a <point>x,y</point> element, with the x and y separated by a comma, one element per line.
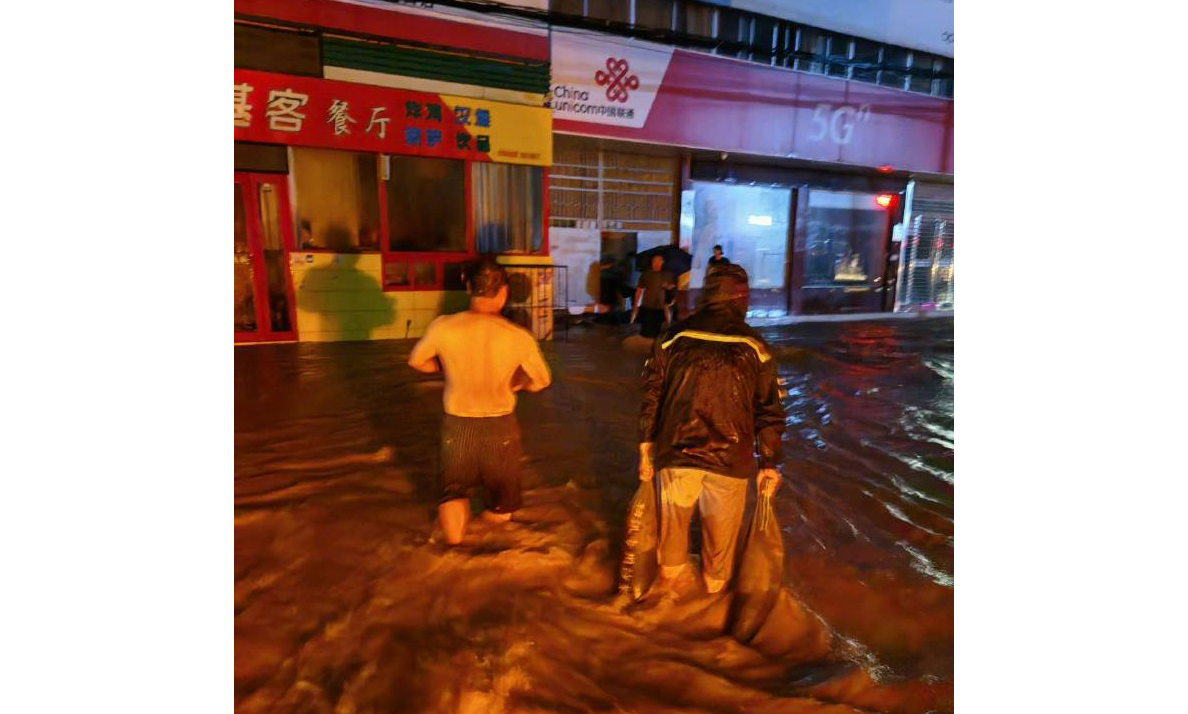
<point>607,277</point>
<point>627,279</point>
<point>717,261</point>
<point>486,360</point>
<point>651,299</point>
<point>711,403</point>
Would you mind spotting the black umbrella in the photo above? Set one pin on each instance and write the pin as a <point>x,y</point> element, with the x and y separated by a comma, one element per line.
<point>676,260</point>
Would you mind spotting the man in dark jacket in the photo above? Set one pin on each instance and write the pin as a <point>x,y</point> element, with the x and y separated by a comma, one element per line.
<point>711,401</point>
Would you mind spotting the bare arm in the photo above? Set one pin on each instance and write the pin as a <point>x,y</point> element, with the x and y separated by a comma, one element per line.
<point>423,357</point>
<point>533,374</point>
<point>429,366</point>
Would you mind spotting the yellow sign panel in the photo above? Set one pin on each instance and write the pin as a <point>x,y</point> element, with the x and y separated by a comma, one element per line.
<point>518,134</point>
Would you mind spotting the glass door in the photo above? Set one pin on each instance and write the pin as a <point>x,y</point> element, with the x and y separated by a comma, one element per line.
<point>844,253</point>
<point>264,309</point>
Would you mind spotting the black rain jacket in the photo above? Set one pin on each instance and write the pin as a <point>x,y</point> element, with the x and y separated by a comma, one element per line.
<point>711,398</point>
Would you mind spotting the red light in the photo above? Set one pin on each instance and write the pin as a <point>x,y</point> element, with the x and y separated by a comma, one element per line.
<point>885,200</point>
<point>886,169</point>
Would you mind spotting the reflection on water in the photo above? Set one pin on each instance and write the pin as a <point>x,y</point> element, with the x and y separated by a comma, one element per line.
<point>342,604</point>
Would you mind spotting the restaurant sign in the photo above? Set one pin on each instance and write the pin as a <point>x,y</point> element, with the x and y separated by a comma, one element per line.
<point>308,111</point>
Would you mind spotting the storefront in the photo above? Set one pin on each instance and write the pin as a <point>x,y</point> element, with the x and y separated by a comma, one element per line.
<point>608,201</point>
<point>357,202</point>
<point>800,178</point>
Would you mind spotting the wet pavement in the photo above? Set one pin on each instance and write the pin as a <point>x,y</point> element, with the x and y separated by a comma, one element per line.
<point>343,605</point>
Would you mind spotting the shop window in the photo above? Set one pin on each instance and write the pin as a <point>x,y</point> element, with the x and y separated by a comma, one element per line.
<point>508,212</point>
<point>694,18</point>
<point>261,158</point>
<point>846,233</point>
<point>609,10</point>
<point>895,59</point>
<point>452,276</point>
<point>734,26</point>
<point>424,274</point>
<point>812,47</point>
<point>426,204</point>
<point>750,223</point>
<point>866,53</point>
<point>396,274</point>
<point>568,7</point>
<point>653,14</point>
<point>839,56</point>
<point>943,84</point>
<point>763,38</point>
<point>273,50</point>
<point>920,73</point>
<point>336,200</point>
<point>786,45</point>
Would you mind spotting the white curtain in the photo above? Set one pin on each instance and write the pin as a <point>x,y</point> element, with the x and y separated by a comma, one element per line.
<point>507,207</point>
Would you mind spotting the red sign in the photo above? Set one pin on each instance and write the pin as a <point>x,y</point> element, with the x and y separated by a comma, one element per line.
<point>307,111</point>
<point>722,104</point>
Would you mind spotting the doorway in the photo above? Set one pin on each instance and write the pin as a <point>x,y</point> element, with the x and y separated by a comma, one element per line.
<point>264,310</point>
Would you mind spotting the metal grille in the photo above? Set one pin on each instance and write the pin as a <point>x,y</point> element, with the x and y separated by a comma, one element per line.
<point>928,272</point>
<point>590,187</point>
<point>537,297</point>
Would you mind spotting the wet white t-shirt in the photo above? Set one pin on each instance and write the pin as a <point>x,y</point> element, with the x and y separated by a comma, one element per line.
<point>480,354</point>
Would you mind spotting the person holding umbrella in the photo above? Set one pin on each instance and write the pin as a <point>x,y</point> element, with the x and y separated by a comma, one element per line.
<point>650,297</point>
<point>676,262</point>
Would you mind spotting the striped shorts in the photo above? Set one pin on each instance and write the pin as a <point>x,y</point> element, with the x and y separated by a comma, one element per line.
<point>481,451</point>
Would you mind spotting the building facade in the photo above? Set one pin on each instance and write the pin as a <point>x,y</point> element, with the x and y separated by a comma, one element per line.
<point>380,145</point>
<point>377,148</point>
<point>794,146</point>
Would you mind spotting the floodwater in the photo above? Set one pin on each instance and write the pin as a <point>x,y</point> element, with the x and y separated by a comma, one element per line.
<point>343,605</point>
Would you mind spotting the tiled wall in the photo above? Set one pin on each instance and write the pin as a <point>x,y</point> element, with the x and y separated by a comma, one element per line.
<point>340,297</point>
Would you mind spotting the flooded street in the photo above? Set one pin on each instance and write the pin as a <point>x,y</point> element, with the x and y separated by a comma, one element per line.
<point>344,606</point>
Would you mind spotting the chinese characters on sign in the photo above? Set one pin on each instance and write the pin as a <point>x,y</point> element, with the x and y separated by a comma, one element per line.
<point>605,82</point>
<point>284,113</point>
<point>243,110</point>
<point>306,111</point>
<point>339,118</point>
<point>377,120</point>
<point>282,110</point>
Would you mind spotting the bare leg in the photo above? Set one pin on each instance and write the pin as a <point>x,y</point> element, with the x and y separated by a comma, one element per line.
<point>453,516</point>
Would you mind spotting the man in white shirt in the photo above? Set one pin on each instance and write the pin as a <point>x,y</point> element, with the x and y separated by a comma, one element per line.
<point>486,360</point>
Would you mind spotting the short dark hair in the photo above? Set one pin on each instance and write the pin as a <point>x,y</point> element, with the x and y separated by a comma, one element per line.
<point>718,247</point>
<point>484,277</point>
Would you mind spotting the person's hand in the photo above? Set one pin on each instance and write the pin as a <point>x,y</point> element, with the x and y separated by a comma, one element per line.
<point>646,470</point>
<point>767,481</point>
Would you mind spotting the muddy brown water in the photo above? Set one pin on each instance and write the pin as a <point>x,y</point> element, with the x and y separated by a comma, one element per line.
<point>343,605</point>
